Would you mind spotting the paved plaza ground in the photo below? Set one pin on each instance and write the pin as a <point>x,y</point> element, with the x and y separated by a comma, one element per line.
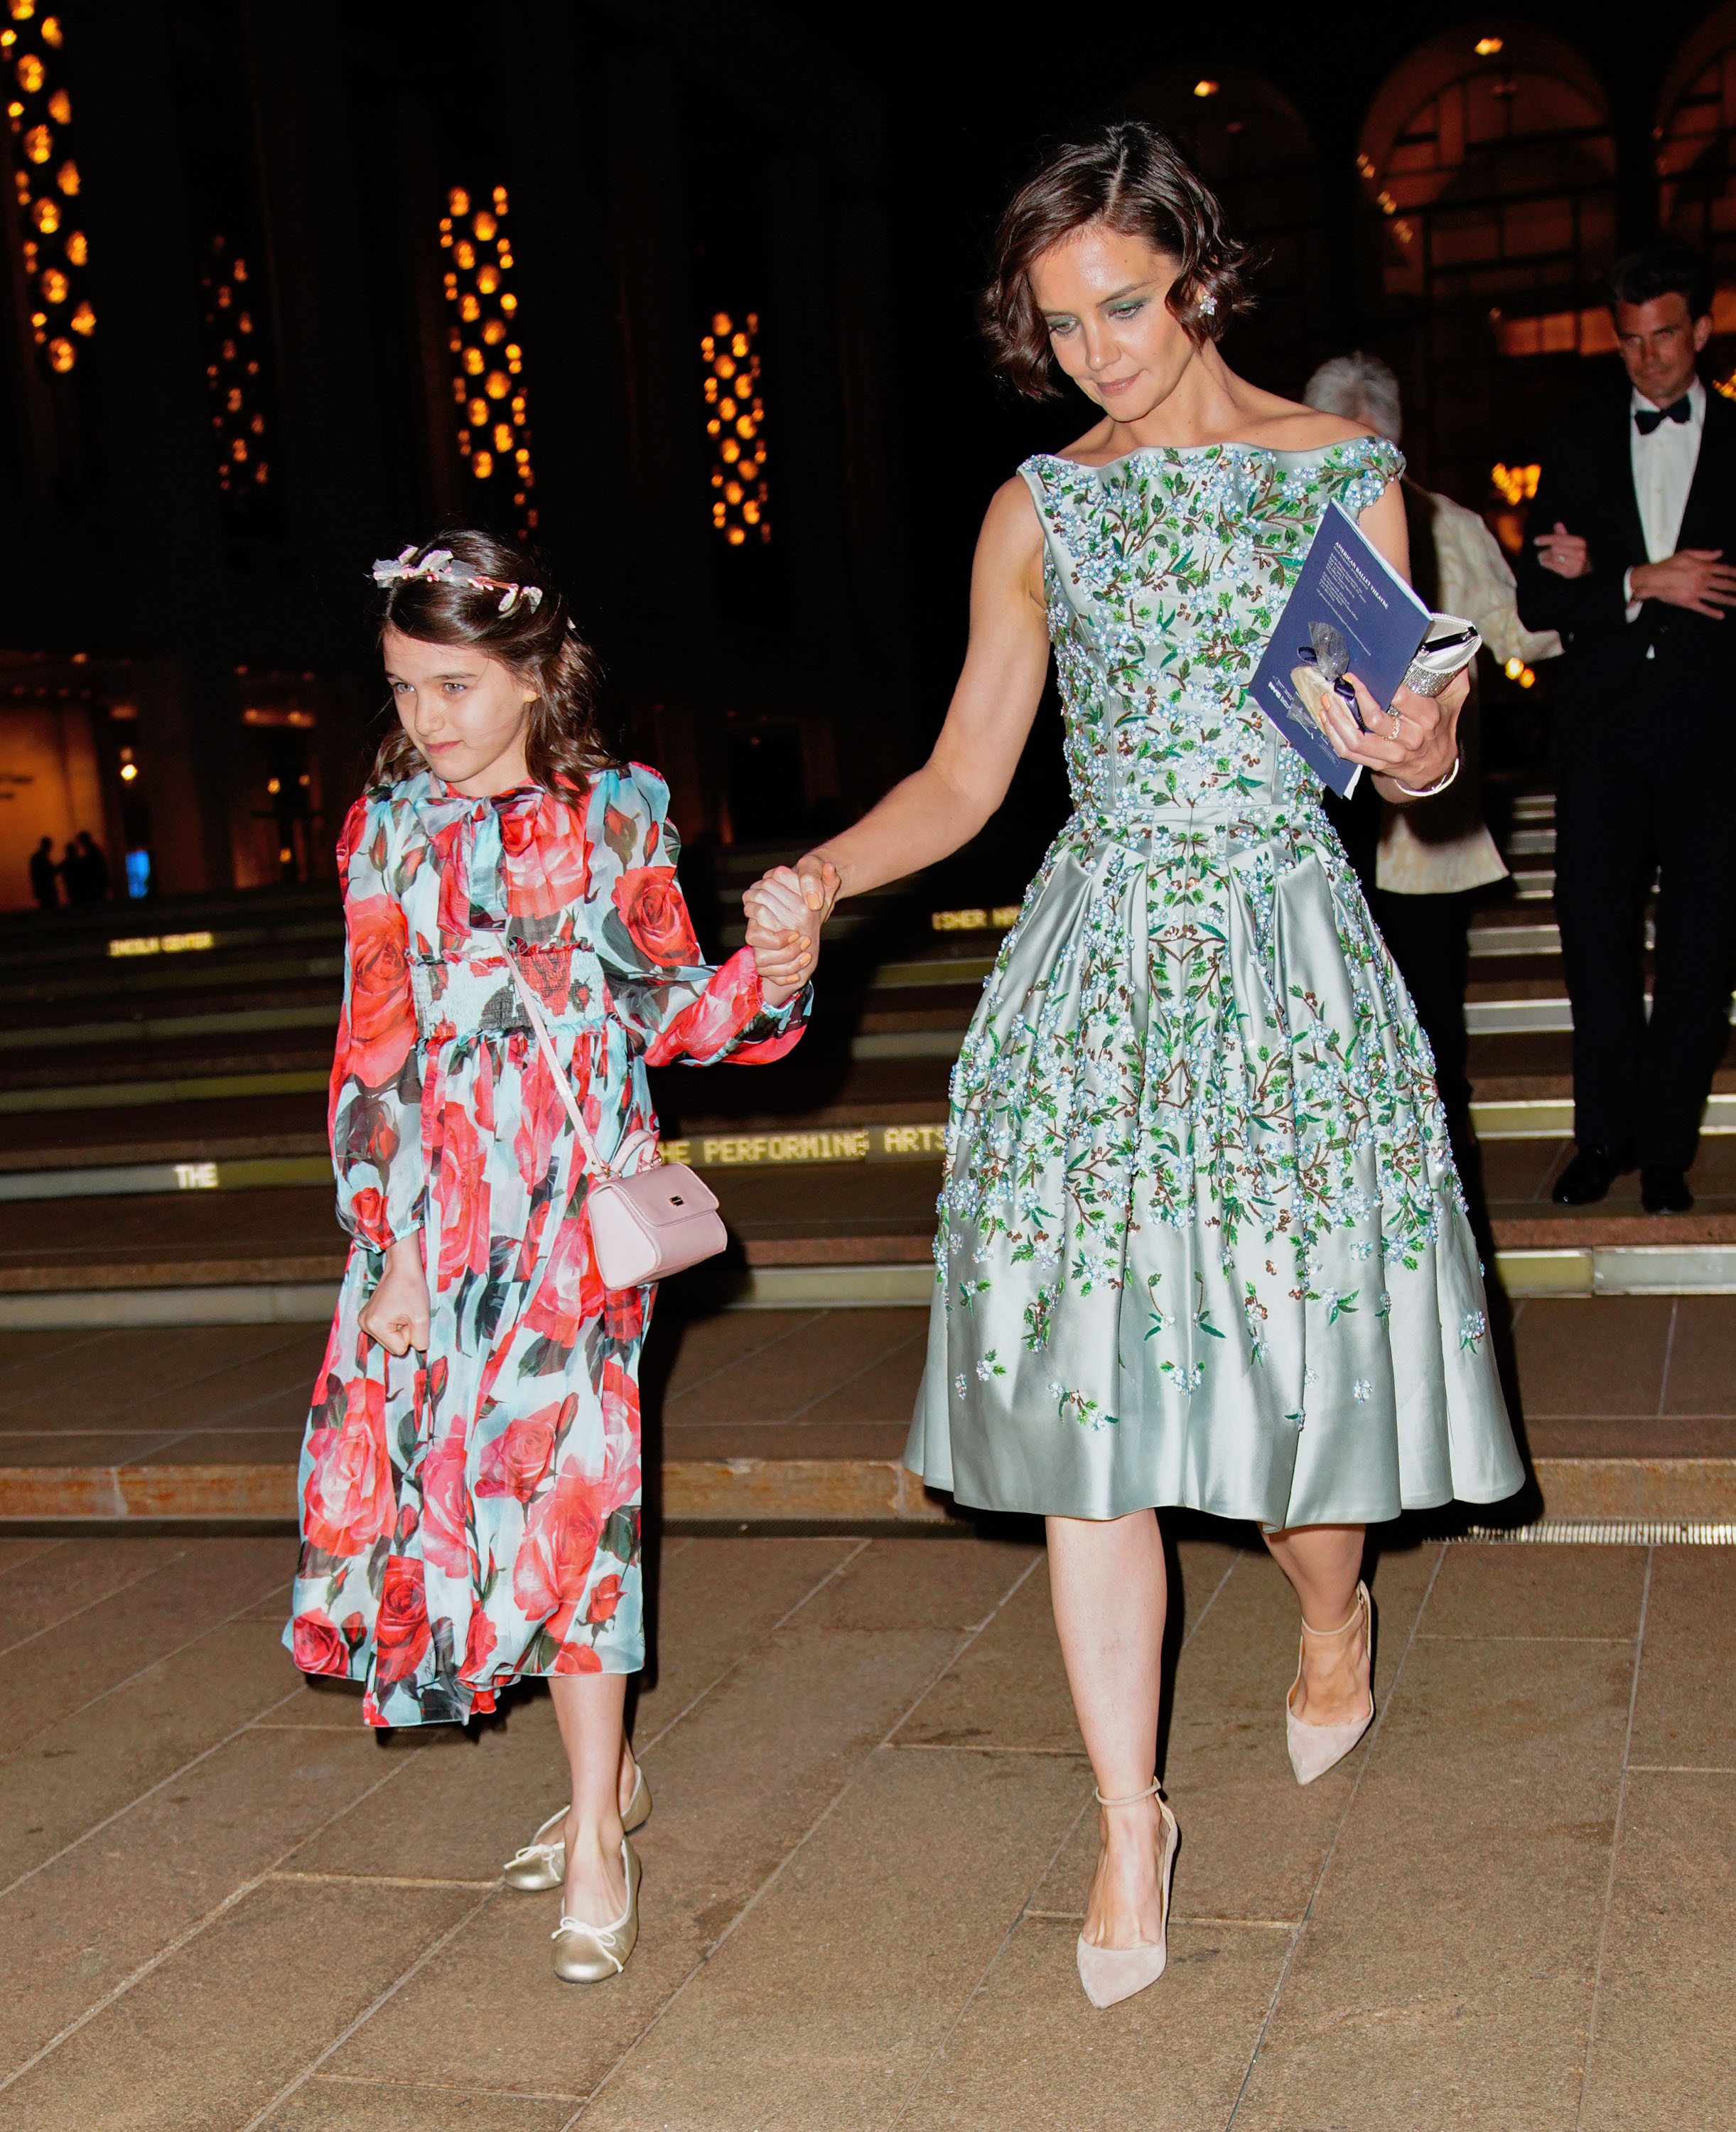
<point>224,1904</point>
<point>1630,1375</point>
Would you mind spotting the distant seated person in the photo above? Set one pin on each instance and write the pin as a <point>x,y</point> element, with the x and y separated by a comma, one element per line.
<point>45,878</point>
<point>1433,858</point>
<point>85,870</point>
<point>1632,555</point>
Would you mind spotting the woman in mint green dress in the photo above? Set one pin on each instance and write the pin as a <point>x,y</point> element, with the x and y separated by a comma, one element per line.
<point>1201,1241</point>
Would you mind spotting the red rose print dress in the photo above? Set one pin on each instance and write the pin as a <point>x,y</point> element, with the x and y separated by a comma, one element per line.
<point>472,1516</point>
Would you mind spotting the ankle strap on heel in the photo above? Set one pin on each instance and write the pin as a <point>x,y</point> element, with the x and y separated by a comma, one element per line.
<point>1132,1798</point>
<point>1343,1628</point>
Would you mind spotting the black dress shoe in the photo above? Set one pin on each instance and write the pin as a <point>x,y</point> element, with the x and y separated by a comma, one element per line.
<point>1590,1175</point>
<point>1664,1191</point>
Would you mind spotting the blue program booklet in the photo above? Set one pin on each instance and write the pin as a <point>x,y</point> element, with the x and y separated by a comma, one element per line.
<point>1348,612</point>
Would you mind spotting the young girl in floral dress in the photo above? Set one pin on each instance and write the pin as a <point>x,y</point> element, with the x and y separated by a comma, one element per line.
<point>470,1512</point>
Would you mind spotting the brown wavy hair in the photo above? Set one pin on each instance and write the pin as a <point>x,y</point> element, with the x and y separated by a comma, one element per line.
<point>1132,177</point>
<point>564,748</point>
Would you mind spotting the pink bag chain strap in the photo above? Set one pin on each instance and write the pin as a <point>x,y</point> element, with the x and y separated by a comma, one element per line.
<point>637,1142</point>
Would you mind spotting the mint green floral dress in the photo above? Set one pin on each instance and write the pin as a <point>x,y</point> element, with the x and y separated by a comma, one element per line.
<point>1200,1239</point>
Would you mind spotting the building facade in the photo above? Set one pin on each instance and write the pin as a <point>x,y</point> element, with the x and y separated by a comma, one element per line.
<point>285,289</point>
<point>684,298</point>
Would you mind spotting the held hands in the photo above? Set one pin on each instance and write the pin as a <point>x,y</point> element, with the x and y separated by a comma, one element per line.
<point>821,882</point>
<point>783,931</point>
<point>1693,577</point>
<point>396,1313</point>
<point>1415,743</point>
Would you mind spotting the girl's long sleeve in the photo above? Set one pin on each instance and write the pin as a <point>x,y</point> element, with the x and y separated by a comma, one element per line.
<point>677,1006</point>
<point>375,1110</point>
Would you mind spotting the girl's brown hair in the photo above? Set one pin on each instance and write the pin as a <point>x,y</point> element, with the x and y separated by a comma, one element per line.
<point>1132,177</point>
<point>563,748</point>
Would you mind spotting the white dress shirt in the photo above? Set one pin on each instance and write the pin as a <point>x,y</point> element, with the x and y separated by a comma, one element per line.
<point>1663,472</point>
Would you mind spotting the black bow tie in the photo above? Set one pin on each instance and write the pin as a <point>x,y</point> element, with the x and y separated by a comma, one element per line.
<point>1645,420</point>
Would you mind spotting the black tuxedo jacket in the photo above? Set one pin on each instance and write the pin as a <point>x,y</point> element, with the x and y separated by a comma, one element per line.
<point>1587,485</point>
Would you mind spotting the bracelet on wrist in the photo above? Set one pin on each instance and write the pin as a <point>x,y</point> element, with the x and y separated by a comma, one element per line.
<point>1429,791</point>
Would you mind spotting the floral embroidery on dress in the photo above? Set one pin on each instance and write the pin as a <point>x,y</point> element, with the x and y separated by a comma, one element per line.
<point>1201,1240</point>
<point>1144,1093</point>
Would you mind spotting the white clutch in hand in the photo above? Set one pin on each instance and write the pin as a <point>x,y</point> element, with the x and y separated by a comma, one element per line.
<point>1450,646</point>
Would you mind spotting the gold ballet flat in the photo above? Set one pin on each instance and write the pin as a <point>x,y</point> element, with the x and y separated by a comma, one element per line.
<point>1315,1749</point>
<point>591,1954</point>
<point>542,1864</point>
<point>1111,1974</point>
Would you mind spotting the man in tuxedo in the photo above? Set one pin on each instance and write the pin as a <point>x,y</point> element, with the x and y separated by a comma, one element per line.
<point>1635,515</point>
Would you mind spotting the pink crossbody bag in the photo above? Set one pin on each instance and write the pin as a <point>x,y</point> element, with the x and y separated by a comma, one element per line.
<point>648,1218</point>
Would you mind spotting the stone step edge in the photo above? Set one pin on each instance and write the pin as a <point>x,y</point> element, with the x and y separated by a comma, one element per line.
<point>300,1158</point>
<point>125,985</point>
<point>326,1267</point>
<point>1532,1014</point>
<point>1547,1271</point>
<point>1592,1231</point>
<point>757,1490</point>
<point>836,1286</point>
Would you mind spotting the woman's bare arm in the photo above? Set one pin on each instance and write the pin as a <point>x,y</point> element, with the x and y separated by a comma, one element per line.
<point>945,803</point>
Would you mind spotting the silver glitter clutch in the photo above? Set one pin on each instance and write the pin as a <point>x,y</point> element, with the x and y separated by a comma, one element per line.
<point>1450,646</point>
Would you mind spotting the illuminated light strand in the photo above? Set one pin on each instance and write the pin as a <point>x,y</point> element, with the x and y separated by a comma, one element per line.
<point>842,1144</point>
<point>55,249</point>
<point>734,421</point>
<point>491,401</point>
<point>977,920</point>
<point>232,345</point>
<point>162,944</point>
<point>1515,484</point>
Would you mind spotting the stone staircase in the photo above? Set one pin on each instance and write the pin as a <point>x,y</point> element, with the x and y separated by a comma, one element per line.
<point>163,1169</point>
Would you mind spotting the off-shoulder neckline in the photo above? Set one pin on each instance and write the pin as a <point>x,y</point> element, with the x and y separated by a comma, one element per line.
<point>1223,444</point>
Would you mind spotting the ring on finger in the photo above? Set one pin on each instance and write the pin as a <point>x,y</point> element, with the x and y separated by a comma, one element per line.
<point>1397,724</point>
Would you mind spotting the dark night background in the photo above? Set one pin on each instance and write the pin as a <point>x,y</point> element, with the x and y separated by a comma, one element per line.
<point>836,172</point>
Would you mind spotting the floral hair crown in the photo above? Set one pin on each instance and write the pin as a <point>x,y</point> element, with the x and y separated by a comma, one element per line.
<point>439,567</point>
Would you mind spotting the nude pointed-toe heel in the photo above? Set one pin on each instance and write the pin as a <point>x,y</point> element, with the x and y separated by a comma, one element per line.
<point>1315,1749</point>
<point>1111,1974</point>
<point>542,1863</point>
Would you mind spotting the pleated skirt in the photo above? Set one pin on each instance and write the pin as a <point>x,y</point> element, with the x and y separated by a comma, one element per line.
<point>1201,1241</point>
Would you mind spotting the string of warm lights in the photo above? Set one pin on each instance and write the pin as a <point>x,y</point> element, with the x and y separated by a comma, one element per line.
<point>736,424</point>
<point>488,389</point>
<point>1515,484</point>
<point>55,250</point>
<point>231,374</point>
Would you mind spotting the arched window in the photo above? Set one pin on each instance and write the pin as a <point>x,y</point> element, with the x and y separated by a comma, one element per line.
<point>1489,159</point>
<point>1250,144</point>
<point>1493,165</point>
<point>1696,142</point>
